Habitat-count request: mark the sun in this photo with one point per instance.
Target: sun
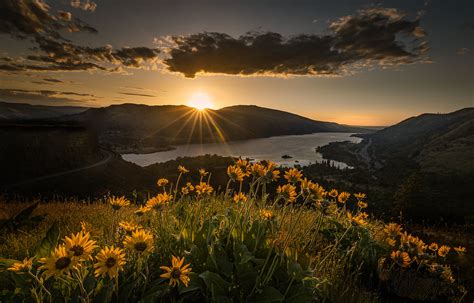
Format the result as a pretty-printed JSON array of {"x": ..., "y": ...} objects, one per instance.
[{"x": 200, "y": 101}]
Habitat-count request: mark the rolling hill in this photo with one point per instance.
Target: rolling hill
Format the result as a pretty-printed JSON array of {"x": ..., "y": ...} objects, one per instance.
[
  {"x": 437, "y": 142},
  {"x": 23, "y": 111},
  {"x": 141, "y": 127},
  {"x": 423, "y": 167}
]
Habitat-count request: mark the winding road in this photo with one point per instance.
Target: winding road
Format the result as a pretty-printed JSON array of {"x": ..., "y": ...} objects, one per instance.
[{"x": 108, "y": 156}]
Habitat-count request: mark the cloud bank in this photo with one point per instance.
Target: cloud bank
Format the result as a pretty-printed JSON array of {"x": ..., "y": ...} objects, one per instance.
[
  {"x": 32, "y": 19},
  {"x": 375, "y": 37}
]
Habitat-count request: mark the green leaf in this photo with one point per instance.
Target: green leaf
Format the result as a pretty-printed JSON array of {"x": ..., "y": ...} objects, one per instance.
[
  {"x": 268, "y": 294},
  {"x": 301, "y": 292},
  {"x": 25, "y": 213},
  {"x": 215, "y": 283},
  {"x": 49, "y": 241}
]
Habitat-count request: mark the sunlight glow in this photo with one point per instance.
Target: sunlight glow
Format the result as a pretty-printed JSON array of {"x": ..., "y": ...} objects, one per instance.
[{"x": 200, "y": 101}]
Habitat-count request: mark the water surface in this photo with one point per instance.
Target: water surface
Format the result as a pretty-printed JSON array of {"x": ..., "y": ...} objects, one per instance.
[{"x": 302, "y": 149}]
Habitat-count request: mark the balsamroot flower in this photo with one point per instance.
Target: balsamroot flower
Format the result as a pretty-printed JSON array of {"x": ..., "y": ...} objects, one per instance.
[
  {"x": 359, "y": 219},
  {"x": 185, "y": 190},
  {"x": 22, "y": 266},
  {"x": 177, "y": 273},
  {"x": 203, "y": 189},
  {"x": 159, "y": 201},
  {"x": 311, "y": 190},
  {"x": 244, "y": 166},
  {"x": 235, "y": 173},
  {"x": 59, "y": 263},
  {"x": 80, "y": 246},
  {"x": 360, "y": 196},
  {"x": 257, "y": 170},
  {"x": 203, "y": 172},
  {"x": 142, "y": 210},
  {"x": 460, "y": 250},
  {"x": 287, "y": 192},
  {"x": 433, "y": 247},
  {"x": 401, "y": 258},
  {"x": 392, "y": 229},
  {"x": 362, "y": 204},
  {"x": 240, "y": 198},
  {"x": 266, "y": 214},
  {"x": 293, "y": 175},
  {"x": 139, "y": 241},
  {"x": 343, "y": 197},
  {"x": 182, "y": 169},
  {"x": 118, "y": 202},
  {"x": 129, "y": 227},
  {"x": 110, "y": 260},
  {"x": 443, "y": 251},
  {"x": 162, "y": 182},
  {"x": 333, "y": 193}
]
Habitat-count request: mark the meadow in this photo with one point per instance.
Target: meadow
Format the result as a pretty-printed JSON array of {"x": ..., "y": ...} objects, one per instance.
[{"x": 193, "y": 243}]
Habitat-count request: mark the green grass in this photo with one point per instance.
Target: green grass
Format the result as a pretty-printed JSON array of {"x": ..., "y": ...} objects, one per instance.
[{"x": 303, "y": 253}]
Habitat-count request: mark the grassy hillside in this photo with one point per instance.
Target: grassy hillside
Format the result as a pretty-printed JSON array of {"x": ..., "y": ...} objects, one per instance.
[
  {"x": 425, "y": 164},
  {"x": 190, "y": 243}
]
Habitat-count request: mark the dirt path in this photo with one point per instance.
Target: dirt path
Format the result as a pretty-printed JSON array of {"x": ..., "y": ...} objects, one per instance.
[{"x": 108, "y": 156}]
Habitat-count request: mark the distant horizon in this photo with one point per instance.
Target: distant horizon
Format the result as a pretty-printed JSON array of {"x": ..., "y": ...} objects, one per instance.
[
  {"x": 187, "y": 105},
  {"x": 356, "y": 62}
]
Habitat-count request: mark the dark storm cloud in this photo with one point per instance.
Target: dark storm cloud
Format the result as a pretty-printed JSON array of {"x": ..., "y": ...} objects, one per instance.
[
  {"x": 141, "y": 95},
  {"x": 42, "y": 96},
  {"x": 26, "y": 19},
  {"x": 371, "y": 37}
]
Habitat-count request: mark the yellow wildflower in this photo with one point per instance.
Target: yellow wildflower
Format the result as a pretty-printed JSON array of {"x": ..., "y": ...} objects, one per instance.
[
  {"x": 177, "y": 273},
  {"x": 391, "y": 241},
  {"x": 203, "y": 172},
  {"x": 142, "y": 210},
  {"x": 362, "y": 204},
  {"x": 333, "y": 193},
  {"x": 293, "y": 175},
  {"x": 401, "y": 258},
  {"x": 257, "y": 170},
  {"x": 110, "y": 260},
  {"x": 240, "y": 198},
  {"x": 266, "y": 214},
  {"x": 433, "y": 247},
  {"x": 80, "y": 245},
  {"x": 244, "y": 166},
  {"x": 129, "y": 226},
  {"x": 162, "y": 182},
  {"x": 360, "y": 196},
  {"x": 185, "y": 190},
  {"x": 139, "y": 241},
  {"x": 443, "y": 251},
  {"x": 203, "y": 189},
  {"x": 59, "y": 263},
  {"x": 392, "y": 229},
  {"x": 22, "y": 266},
  {"x": 235, "y": 173},
  {"x": 287, "y": 192},
  {"x": 460, "y": 250},
  {"x": 343, "y": 197},
  {"x": 359, "y": 219},
  {"x": 118, "y": 202},
  {"x": 182, "y": 169}
]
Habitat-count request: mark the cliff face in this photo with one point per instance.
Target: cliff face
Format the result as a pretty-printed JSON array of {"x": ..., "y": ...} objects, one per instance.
[{"x": 28, "y": 151}]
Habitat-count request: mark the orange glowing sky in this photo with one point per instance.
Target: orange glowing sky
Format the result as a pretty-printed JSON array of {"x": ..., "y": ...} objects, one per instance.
[{"x": 339, "y": 87}]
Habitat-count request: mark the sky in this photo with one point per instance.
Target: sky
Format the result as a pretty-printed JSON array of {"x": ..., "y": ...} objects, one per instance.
[{"x": 353, "y": 62}]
